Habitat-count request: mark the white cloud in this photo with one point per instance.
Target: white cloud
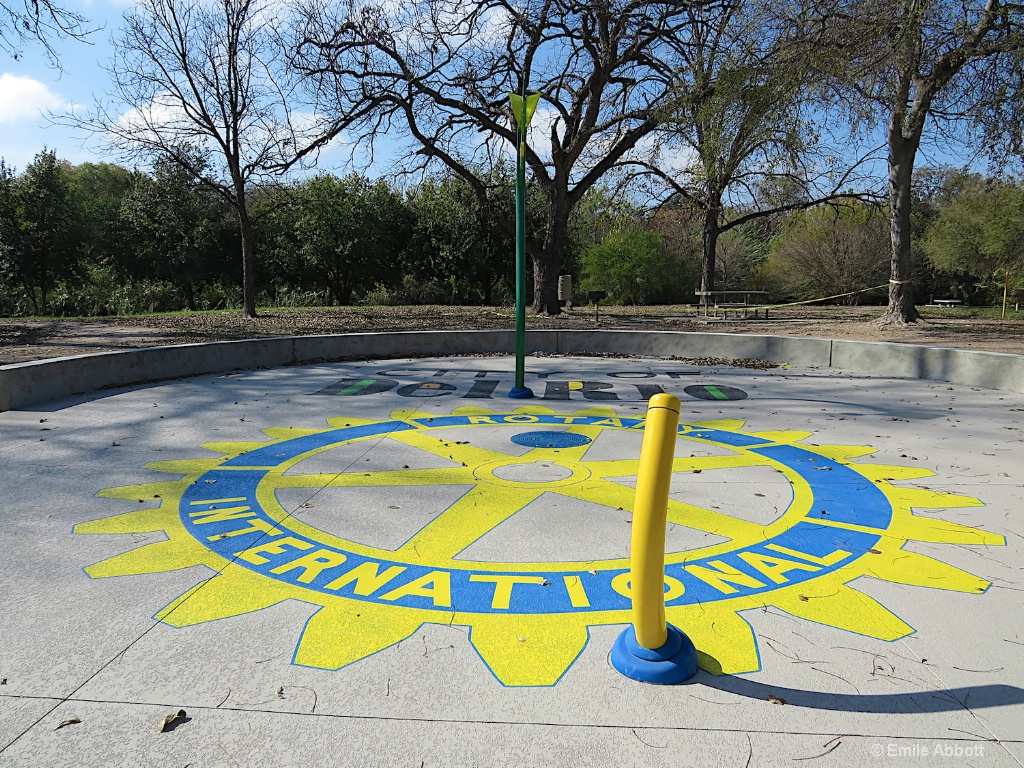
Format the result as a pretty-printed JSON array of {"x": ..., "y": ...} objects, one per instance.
[
  {"x": 25, "y": 98},
  {"x": 164, "y": 113},
  {"x": 675, "y": 157},
  {"x": 539, "y": 131}
]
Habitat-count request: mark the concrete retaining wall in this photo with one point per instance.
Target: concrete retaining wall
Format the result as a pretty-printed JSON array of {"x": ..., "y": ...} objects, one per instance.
[{"x": 26, "y": 383}]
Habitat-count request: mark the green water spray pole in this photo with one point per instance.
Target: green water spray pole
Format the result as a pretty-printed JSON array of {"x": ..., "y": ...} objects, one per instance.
[{"x": 523, "y": 107}]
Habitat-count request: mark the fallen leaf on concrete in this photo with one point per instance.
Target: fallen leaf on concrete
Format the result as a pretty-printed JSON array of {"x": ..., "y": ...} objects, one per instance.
[
  {"x": 172, "y": 721},
  {"x": 71, "y": 721},
  {"x": 280, "y": 692},
  {"x": 775, "y": 700},
  {"x": 803, "y": 598}
]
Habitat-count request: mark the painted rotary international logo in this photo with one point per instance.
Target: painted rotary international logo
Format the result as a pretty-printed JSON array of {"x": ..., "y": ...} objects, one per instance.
[{"x": 529, "y": 620}]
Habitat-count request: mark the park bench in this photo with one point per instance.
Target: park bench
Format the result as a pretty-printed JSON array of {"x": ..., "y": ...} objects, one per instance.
[{"x": 743, "y": 306}]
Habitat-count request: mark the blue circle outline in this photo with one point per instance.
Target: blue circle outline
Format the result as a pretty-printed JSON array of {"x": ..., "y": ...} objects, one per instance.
[
  {"x": 832, "y": 487},
  {"x": 550, "y": 439}
]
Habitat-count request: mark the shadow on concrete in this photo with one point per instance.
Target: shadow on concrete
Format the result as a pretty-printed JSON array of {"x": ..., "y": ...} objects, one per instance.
[{"x": 924, "y": 702}]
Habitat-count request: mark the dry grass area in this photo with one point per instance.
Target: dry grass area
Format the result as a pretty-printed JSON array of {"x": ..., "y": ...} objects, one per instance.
[{"x": 22, "y": 341}]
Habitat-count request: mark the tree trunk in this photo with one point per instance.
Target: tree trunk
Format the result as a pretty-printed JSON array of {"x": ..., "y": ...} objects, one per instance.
[
  {"x": 335, "y": 289},
  {"x": 44, "y": 302},
  {"x": 707, "y": 262},
  {"x": 488, "y": 286},
  {"x": 31, "y": 291},
  {"x": 548, "y": 263},
  {"x": 248, "y": 251},
  {"x": 901, "y": 309},
  {"x": 190, "y": 295}
]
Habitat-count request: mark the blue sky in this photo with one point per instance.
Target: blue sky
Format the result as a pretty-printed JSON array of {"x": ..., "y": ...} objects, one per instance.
[{"x": 31, "y": 86}]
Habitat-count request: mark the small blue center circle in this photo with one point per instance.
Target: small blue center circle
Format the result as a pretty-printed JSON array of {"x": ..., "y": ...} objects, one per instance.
[{"x": 550, "y": 439}]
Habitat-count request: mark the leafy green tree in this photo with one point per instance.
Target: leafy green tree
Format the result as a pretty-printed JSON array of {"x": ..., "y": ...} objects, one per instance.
[
  {"x": 46, "y": 245},
  {"x": 600, "y": 212},
  {"x": 457, "y": 240},
  {"x": 173, "y": 222},
  {"x": 8, "y": 235},
  {"x": 192, "y": 75},
  {"x": 351, "y": 233},
  {"x": 606, "y": 73},
  {"x": 742, "y": 124},
  {"x": 632, "y": 265},
  {"x": 283, "y": 271},
  {"x": 681, "y": 230},
  {"x": 99, "y": 189},
  {"x": 980, "y": 231},
  {"x": 920, "y": 69}
]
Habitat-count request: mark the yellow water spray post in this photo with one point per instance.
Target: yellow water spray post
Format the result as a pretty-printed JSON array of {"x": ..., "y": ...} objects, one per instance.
[{"x": 651, "y": 650}]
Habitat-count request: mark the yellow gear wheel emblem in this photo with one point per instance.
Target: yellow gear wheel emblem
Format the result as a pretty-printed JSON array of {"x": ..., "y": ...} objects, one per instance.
[{"x": 529, "y": 620}]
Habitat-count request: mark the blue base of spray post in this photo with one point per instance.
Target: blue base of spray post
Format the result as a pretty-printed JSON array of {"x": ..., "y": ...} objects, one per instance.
[
  {"x": 521, "y": 393},
  {"x": 674, "y": 662}
]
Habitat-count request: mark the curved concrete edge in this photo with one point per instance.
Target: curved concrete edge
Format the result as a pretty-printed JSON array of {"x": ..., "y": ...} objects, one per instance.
[
  {"x": 39, "y": 381},
  {"x": 990, "y": 370}
]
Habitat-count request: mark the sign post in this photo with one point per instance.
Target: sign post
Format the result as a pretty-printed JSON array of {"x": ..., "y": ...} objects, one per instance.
[{"x": 523, "y": 107}]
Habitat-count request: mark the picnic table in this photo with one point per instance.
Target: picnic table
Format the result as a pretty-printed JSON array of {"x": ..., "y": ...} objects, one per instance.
[
  {"x": 738, "y": 301},
  {"x": 946, "y": 302}
]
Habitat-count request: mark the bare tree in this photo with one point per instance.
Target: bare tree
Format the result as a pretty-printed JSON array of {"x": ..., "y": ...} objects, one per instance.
[
  {"x": 831, "y": 252},
  {"x": 195, "y": 82},
  {"x": 746, "y": 124},
  {"x": 922, "y": 68},
  {"x": 25, "y": 22},
  {"x": 439, "y": 72}
]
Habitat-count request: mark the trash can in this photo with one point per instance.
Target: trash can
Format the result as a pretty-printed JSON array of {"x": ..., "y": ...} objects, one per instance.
[{"x": 565, "y": 290}]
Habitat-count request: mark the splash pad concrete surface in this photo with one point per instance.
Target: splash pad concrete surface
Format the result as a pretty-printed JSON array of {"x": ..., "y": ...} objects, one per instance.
[{"x": 388, "y": 562}]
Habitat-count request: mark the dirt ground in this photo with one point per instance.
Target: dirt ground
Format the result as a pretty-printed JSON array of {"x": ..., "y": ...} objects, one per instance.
[{"x": 22, "y": 341}]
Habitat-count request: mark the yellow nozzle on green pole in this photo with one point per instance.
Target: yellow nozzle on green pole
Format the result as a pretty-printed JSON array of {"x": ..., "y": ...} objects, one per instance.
[
  {"x": 652, "y": 650},
  {"x": 523, "y": 107}
]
